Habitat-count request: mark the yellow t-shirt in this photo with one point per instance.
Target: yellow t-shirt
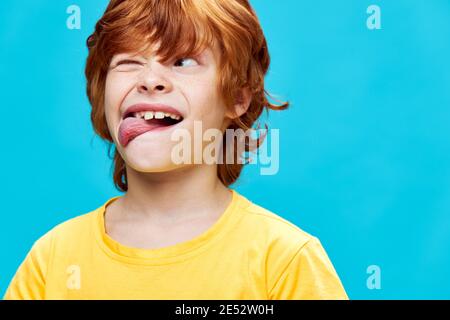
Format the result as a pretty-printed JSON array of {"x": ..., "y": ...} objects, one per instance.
[{"x": 249, "y": 253}]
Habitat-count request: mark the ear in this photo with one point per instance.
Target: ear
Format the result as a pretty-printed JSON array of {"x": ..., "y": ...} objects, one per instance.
[{"x": 243, "y": 100}]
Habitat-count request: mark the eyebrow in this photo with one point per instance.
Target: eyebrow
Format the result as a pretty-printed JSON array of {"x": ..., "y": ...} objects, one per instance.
[
  {"x": 125, "y": 55},
  {"x": 203, "y": 56}
]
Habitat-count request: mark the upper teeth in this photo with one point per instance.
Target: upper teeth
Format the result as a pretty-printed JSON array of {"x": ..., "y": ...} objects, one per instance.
[{"x": 148, "y": 115}]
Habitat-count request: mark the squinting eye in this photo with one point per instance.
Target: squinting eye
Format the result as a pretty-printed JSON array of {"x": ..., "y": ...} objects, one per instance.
[
  {"x": 127, "y": 62},
  {"x": 186, "y": 62}
]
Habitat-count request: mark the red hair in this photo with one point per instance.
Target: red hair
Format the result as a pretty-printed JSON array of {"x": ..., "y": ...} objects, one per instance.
[{"x": 183, "y": 28}]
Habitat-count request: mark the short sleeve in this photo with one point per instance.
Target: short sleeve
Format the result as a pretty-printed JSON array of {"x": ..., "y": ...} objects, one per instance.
[
  {"x": 28, "y": 282},
  {"x": 309, "y": 275}
]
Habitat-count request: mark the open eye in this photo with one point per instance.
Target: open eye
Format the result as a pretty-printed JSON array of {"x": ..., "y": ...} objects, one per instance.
[{"x": 185, "y": 62}]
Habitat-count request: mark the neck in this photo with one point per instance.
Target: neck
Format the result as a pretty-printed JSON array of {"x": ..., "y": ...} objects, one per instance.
[{"x": 184, "y": 193}]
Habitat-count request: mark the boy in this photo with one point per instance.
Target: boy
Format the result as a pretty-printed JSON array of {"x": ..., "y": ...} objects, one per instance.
[{"x": 154, "y": 69}]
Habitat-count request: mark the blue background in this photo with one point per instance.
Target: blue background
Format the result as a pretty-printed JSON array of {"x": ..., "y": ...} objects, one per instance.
[{"x": 365, "y": 147}]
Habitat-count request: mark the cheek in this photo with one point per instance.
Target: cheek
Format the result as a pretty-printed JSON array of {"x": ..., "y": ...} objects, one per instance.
[
  {"x": 116, "y": 89},
  {"x": 113, "y": 89},
  {"x": 206, "y": 104},
  {"x": 213, "y": 113}
]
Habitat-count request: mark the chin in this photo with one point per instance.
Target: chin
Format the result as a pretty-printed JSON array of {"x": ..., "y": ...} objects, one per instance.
[
  {"x": 147, "y": 154},
  {"x": 150, "y": 164},
  {"x": 153, "y": 168}
]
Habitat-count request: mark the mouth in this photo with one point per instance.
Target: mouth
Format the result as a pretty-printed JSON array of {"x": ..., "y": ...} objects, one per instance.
[
  {"x": 135, "y": 123},
  {"x": 156, "y": 117}
]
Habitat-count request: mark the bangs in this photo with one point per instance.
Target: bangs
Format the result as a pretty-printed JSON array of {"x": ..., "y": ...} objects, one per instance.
[{"x": 176, "y": 27}]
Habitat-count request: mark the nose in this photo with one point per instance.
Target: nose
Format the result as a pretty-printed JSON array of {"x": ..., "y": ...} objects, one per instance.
[{"x": 153, "y": 81}]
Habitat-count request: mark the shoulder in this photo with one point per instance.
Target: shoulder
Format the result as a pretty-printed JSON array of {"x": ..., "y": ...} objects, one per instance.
[
  {"x": 296, "y": 264},
  {"x": 67, "y": 234},
  {"x": 75, "y": 226},
  {"x": 274, "y": 228},
  {"x": 30, "y": 278}
]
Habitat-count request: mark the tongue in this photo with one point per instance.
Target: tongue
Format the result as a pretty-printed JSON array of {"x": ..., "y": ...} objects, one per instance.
[{"x": 133, "y": 127}]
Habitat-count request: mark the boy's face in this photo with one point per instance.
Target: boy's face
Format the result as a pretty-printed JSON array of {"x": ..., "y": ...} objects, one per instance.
[{"x": 188, "y": 85}]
